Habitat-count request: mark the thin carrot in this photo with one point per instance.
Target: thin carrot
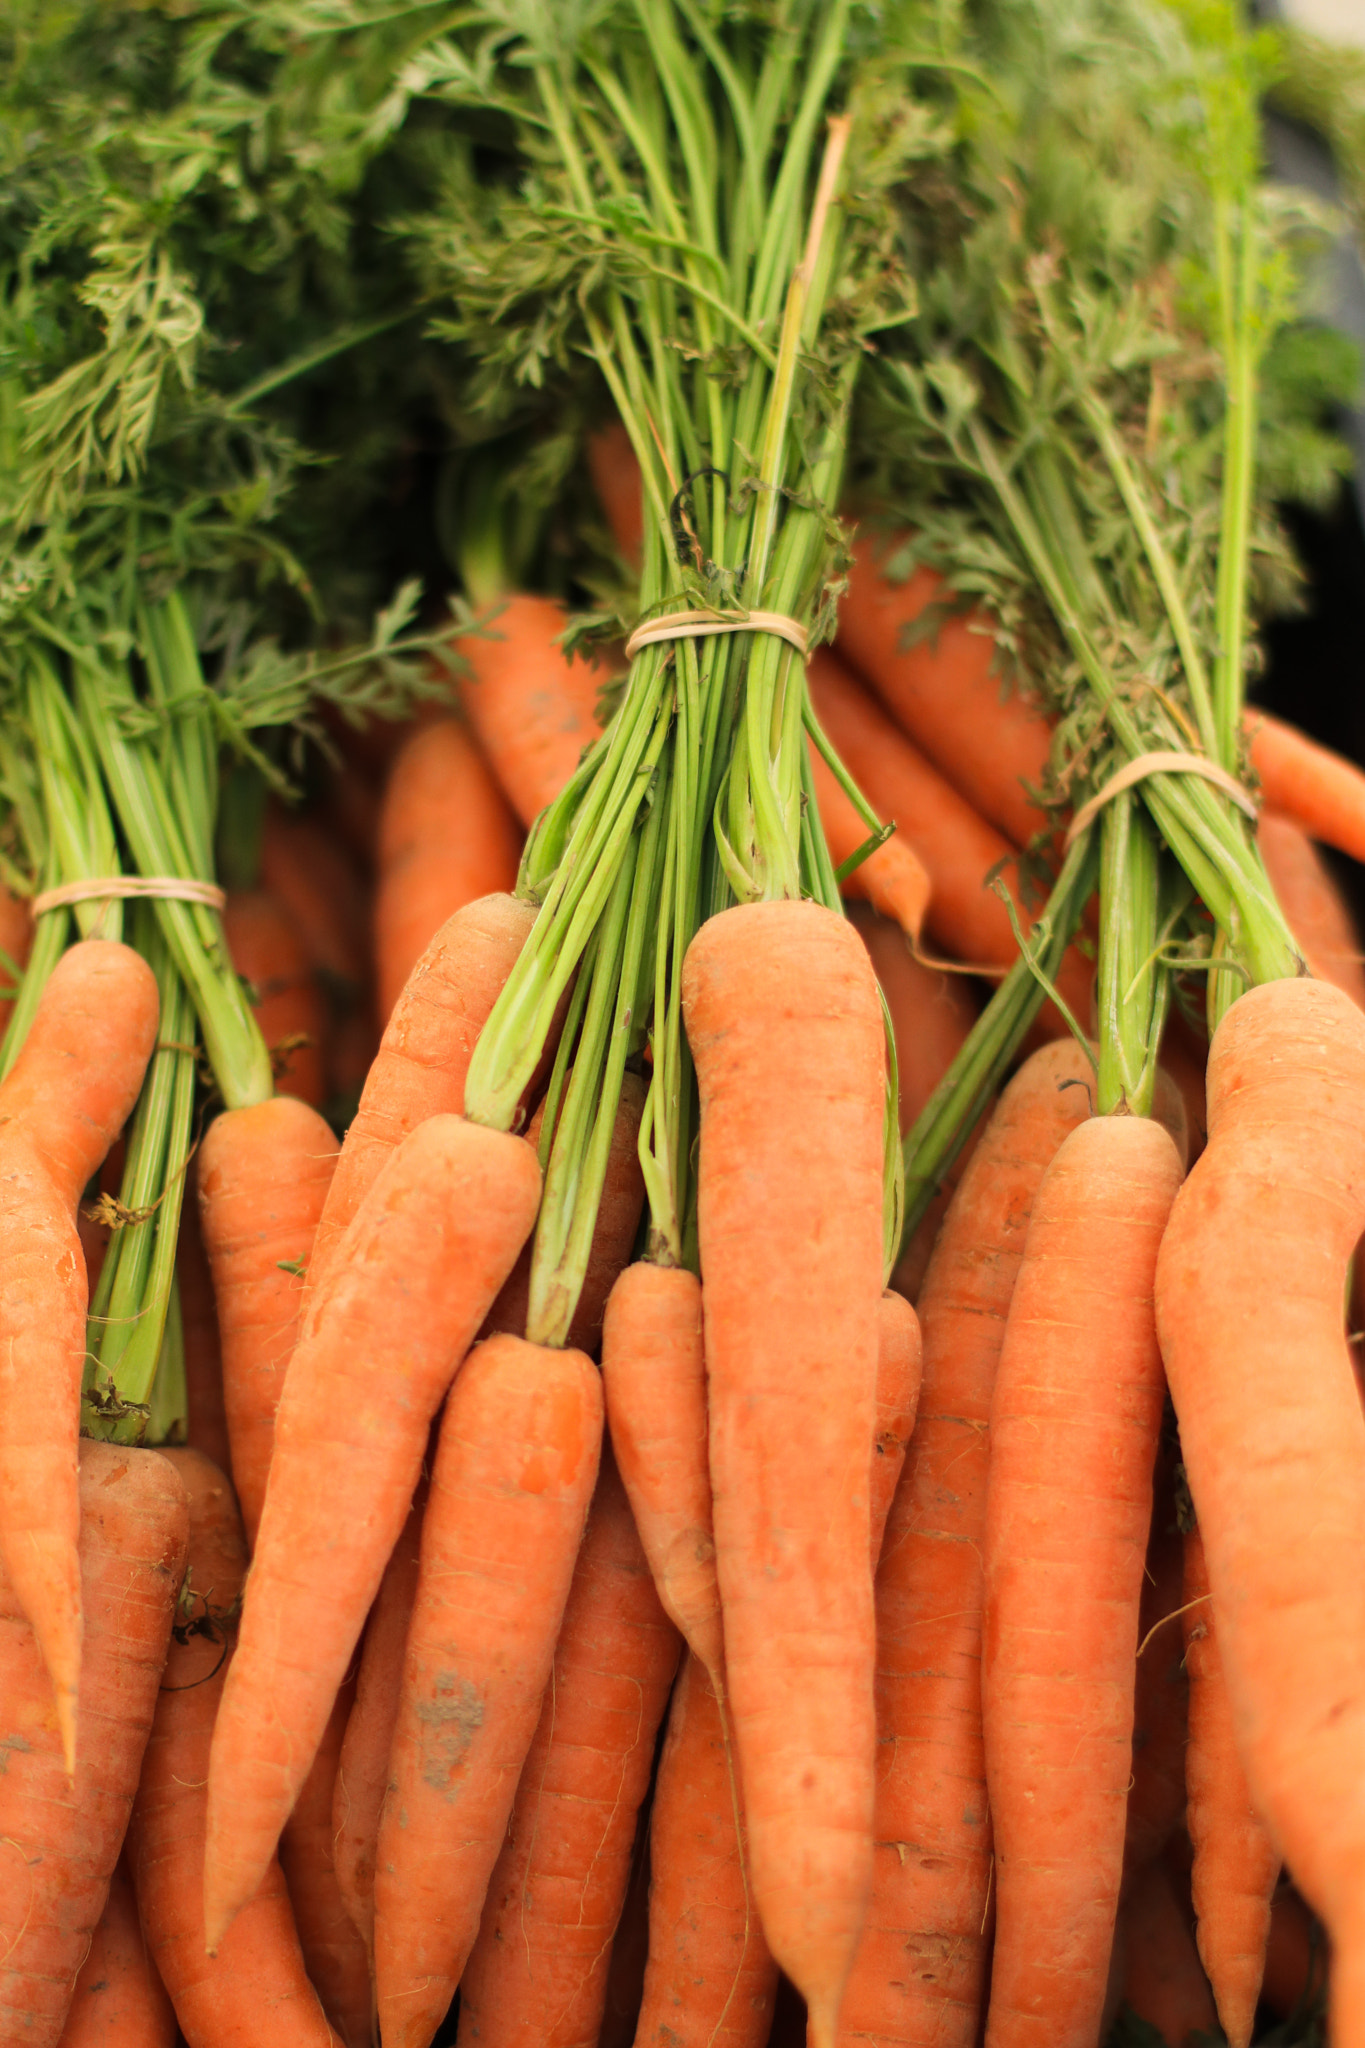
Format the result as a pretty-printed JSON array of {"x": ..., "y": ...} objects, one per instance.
[
  {"x": 119, "y": 2000},
  {"x": 785, "y": 1027},
  {"x": 897, "y": 1396},
  {"x": 264, "y": 1173},
  {"x": 533, "y": 709},
  {"x": 446, "y": 837},
  {"x": 537, "y": 1975},
  {"x": 1320, "y": 791},
  {"x": 920, "y": 1970},
  {"x": 1278, "y": 1481},
  {"x": 510, "y": 1488},
  {"x": 61, "y": 1106},
  {"x": 269, "y": 954},
  {"x": 60, "y": 1836},
  {"x": 893, "y": 878},
  {"x": 435, "y": 1238},
  {"x": 333, "y": 1948},
  {"x": 1163, "y": 1982},
  {"x": 256, "y": 1989},
  {"x": 1316, "y": 911},
  {"x": 206, "y": 1427},
  {"x": 1236, "y": 1865}
]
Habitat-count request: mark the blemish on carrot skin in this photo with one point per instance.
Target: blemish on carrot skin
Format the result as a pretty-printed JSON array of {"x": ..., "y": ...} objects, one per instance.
[{"x": 450, "y": 1720}]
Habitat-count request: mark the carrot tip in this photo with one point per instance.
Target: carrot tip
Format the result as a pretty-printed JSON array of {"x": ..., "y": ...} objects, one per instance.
[{"x": 66, "y": 1727}]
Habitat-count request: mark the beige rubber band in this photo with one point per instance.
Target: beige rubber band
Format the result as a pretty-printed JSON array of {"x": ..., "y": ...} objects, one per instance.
[
  {"x": 706, "y": 625},
  {"x": 161, "y": 888},
  {"x": 1169, "y": 763}
]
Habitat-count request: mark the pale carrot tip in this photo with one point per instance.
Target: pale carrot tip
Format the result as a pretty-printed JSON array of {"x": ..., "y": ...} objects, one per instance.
[{"x": 67, "y": 1710}]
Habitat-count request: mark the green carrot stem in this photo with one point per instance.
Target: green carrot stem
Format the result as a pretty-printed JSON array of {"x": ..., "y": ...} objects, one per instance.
[
  {"x": 169, "y": 1407},
  {"x": 1130, "y": 977}
]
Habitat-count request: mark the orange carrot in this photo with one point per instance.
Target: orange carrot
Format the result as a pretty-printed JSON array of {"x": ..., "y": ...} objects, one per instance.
[
  {"x": 920, "y": 1970},
  {"x": 785, "y": 1027},
  {"x": 897, "y": 1396},
  {"x": 942, "y": 688},
  {"x": 333, "y": 1949},
  {"x": 533, "y": 709},
  {"x": 1162, "y": 1980},
  {"x": 931, "y": 1012},
  {"x": 264, "y": 1173},
  {"x": 1156, "y": 1798},
  {"x": 537, "y": 1976},
  {"x": 1278, "y": 1481},
  {"x": 269, "y": 954},
  {"x": 256, "y": 1990},
  {"x": 446, "y": 837},
  {"x": 61, "y": 1106},
  {"x": 206, "y": 1420},
  {"x": 318, "y": 883},
  {"x": 1313, "y": 905},
  {"x": 415, "y": 1276},
  {"x": 1321, "y": 791},
  {"x": 119, "y": 2001},
  {"x": 510, "y": 1488},
  {"x": 615, "y": 477},
  {"x": 60, "y": 1836},
  {"x": 1236, "y": 1865},
  {"x": 893, "y": 878},
  {"x": 16, "y": 938},
  {"x": 363, "y": 1766},
  {"x": 425, "y": 1051}
]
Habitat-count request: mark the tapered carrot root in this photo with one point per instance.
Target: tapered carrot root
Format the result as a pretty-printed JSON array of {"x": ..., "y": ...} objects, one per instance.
[
  {"x": 537, "y": 1977},
  {"x": 438, "y": 1232},
  {"x": 514, "y": 1473},
  {"x": 893, "y": 878},
  {"x": 1236, "y": 1865},
  {"x": 363, "y": 1766},
  {"x": 1278, "y": 1481},
  {"x": 333, "y": 1949},
  {"x": 425, "y": 1052},
  {"x": 59, "y": 1838},
  {"x": 269, "y": 953},
  {"x": 255, "y": 1992},
  {"x": 533, "y": 709},
  {"x": 785, "y": 1027},
  {"x": 119, "y": 2001},
  {"x": 654, "y": 1378},
  {"x": 264, "y": 1173},
  {"x": 1319, "y": 790},
  {"x": 1163, "y": 1981},
  {"x": 920, "y": 1970},
  {"x": 446, "y": 837},
  {"x": 1075, "y": 1418},
  {"x": 61, "y": 1106},
  {"x": 899, "y": 1356}
]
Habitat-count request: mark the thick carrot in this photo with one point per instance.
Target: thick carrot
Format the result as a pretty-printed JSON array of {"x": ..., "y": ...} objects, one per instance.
[
  {"x": 533, "y": 709},
  {"x": 62, "y": 1105},
  {"x": 1313, "y": 905},
  {"x": 613, "y": 1237},
  {"x": 256, "y": 1990},
  {"x": 206, "y": 1419},
  {"x": 269, "y": 954},
  {"x": 537, "y": 1976},
  {"x": 264, "y": 1173},
  {"x": 425, "y": 1052},
  {"x": 334, "y": 1950},
  {"x": 615, "y": 477},
  {"x": 1249, "y": 1307},
  {"x": 920, "y": 1970},
  {"x": 363, "y": 1766},
  {"x": 942, "y": 688},
  {"x": 893, "y": 878},
  {"x": 415, "y": 1276},
  {"x": 446, "y": 837},
  {"x": 1321, "y": 791},
  {"x": 785, "y": 1027},
  {"x": 1236, "y": 1865},
  {"x": 60, "y": 1837},
  {"x": 1075, "y": 1418},
  {"x": 510, "y": 1488},
  {"x": 1156, "y": 1798},
  {"x": 1163, "y": 1982},
  {"x": 119, "y": 2001}
]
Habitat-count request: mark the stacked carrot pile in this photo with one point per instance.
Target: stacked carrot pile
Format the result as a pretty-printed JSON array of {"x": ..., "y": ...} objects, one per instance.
[{"x": 672, "y": 1357}]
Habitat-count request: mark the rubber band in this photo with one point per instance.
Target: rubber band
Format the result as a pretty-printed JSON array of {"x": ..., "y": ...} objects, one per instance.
[
  {"x": 707, "y": 625},
  {"x": 104, "y": 888},
  {"x": 1162, "y": 763}
]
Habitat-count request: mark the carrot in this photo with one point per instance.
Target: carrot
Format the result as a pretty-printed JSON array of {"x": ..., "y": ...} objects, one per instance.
[
  {"x": 1236, "y": 1866},
  {"x": 60, "y": 1836},
  {"x": 446, "y": 837},
  {"x": 318, "y": 883},
  {"x": 119, "y": 2001},
  {"x": 920, "y": 1970},
  {"x": 363, "y": 1766},
  {"x": 415, "y": 1276},
  {"x": 785, "y": 1027},
  {"x": 537, "y": 1975},
  {"x": 1320, "y": 791},
  {"x": 897, "y": 1396},
  {"x": 533, "y": 709},
  {"x": 1278, "y": 1481},
  {"x": 613, "y": 1237},
  {"x": 615, "y": 477},
  {"x": 333, "y": 1949},
  {"x": 1313, "y": 905},
  {"x": 269, "y": 954},
  {"x": 942, "y": 689},
  {"x": 931, "y": 1012},
  {"x": 264, "y": 1173},
  {"x": 510, "y": 1488},
  {"x": 893, "y": 878},
  {"x": 62, "y": 1105},
  {"x": 1163, "y": 1982},
  {"x": 1296, "y": 1956},
  {"x": 1075, "y": 1418},
  {"x": 425, "y": 1051},
  {"x": 206, "y": 1421},
  {"x": 257, "y": 1986},
  {"x": 16, "y": 938},
  {"x": 1156, "y": 1798}
]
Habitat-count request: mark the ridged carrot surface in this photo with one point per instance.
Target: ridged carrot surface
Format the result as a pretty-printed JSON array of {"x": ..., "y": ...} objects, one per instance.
[{"x": 119, "y": 2001}]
